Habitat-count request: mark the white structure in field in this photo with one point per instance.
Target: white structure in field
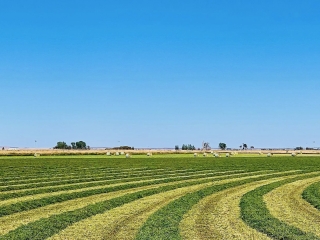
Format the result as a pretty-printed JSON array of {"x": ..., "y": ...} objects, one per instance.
[{"x": 127, "y": 155}]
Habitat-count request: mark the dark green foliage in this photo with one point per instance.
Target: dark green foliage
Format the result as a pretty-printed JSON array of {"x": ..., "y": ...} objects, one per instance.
[
  {"x": 188, "y": 147},
  {"x": 62, "y": 145},
  {"x": 222, "y": 146},
  {"x": 312, "y": 195}
]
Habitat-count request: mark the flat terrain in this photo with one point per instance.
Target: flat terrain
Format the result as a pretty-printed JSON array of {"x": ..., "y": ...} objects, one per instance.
[{"x": 164, "y": 196}]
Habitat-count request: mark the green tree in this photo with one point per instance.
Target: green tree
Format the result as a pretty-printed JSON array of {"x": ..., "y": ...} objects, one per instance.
[
  {"x": 176, "y": 147},
  {"x": 81, "y": 145},
  {"x": 73, "y": 145},
  {"x": 61, "y": 145},
  {"x": 222, "y": 146}
]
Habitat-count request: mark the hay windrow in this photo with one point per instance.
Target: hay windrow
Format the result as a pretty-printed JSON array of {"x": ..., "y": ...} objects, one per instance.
[
  {"x": 122, "y": 222},
  {"x": 286, "y": 204},
  {"x": 15, "y": 220},
  {"x": 218, "y": 216},
  {"x": 101, "y": 187}
]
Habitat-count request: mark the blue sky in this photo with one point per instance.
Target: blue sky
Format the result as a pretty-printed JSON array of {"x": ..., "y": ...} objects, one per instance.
[{"x": 160, "y": 73}]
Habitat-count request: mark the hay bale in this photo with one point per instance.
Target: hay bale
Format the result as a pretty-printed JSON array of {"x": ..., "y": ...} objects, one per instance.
[
  {"x": 108, "y": 154},
  {"x": 204, "y": 154},
  {"x": 227, "y": 155},
  {"x": 269, "y": 155},
  {"x": 195, "y": 155},
  {"x": 117, "y": 154},
  {"x": 127, "y": 155}
]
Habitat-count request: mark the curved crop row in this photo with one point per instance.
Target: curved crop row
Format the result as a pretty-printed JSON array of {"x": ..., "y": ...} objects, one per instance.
[
  {"x": 8, "y": 198},
  {"x": 34, "y": 203},
  {"x": 44, "y": 228},
  {"x": 93, "y": 181},
  {"x": 165, "y": 222},
  {"x": 256, "y": 214},
  {"x": 70, "y": 176},
  {"x": 13, "y": 221},
  {"x": 47, "y": 227},
  {"x": 286, "y": 204},
  {"x": 99, "y": 177},
  {"x": 217, "y": 216},
  {"x": 312, "y": 195}
]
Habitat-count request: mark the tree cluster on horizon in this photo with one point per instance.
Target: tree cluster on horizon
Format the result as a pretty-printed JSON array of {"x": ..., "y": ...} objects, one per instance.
[{"x": 74, "y": 145}]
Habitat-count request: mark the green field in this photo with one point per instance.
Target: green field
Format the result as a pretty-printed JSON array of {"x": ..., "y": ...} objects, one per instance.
[{"x": 175, "y": 196}]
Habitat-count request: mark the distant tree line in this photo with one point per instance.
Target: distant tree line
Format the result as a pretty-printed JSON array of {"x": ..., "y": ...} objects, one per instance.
[
  {"x": 188, "y": 147},
  {"x": 123, "y": 148},
  {"x": 74, "y": 145}
]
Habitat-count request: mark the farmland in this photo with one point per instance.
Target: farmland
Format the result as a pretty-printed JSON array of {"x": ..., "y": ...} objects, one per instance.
[{"x": 167, "y": 196}]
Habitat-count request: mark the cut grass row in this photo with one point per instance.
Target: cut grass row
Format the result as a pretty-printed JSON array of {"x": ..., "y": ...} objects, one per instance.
[
  {"x": 18, "y": 205},
  {"x": 312, "y": 195},
  {"x": 44, "y": 228},
  {"x": 125, "y": 221},
  {"x": 218, "y": 216},
  {"x": 98, "y": 178},
  {"x": 13, "y": 221},
  {"x": 256, "y": 214},
  {"x": 44, "y": 192},
  {"x": 286, "y": 204},
  {"x": 70, "y": 176},
  {"x": 165, "y": 222}
]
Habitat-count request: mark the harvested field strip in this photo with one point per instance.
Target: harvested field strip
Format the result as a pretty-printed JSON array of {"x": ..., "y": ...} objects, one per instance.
[
  {"x": 286, "y": 204},
  {"x": 25, "y": 178},
  {"x": 56, "y": 170},
  {"x": 13, "y": 221},
  {"x": 218, "y": 216},
  {"x": 125, "y": 221},
  {"x": 165, "y": 222},
  {"x": 122, "y": 222},
  {"x": 68, "y": 176},
  {"x": 17, "y": 205},
  {"x": 41, "y": 193},
  {"x": 312, "y": 195},
  {"x": 53, "y": 180},
  {"x": 96, "y": 179},
  {"x": 47, "y": 227},
  {"x": 256, "y": 214}
]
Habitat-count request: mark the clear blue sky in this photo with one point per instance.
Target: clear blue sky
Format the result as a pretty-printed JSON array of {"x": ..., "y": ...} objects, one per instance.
[{"x": 160, "y": 73}]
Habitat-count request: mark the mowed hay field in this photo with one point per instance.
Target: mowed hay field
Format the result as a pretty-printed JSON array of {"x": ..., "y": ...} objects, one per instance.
[{"x": 160, "y": 197}]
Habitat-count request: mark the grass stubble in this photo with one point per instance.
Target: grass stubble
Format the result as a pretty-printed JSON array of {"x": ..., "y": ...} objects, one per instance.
[{"x": 286, "y": 204}]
